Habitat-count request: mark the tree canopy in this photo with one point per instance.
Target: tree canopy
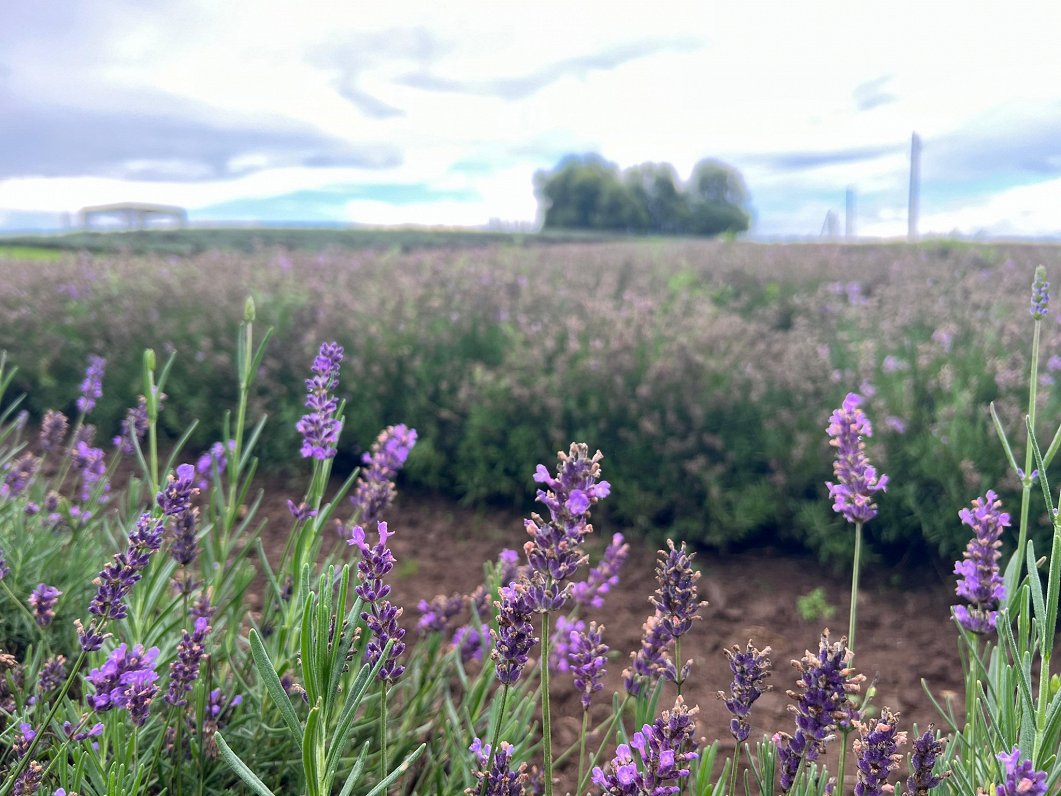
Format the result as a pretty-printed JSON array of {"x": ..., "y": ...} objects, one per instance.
[{"x": 588, "y": 192}]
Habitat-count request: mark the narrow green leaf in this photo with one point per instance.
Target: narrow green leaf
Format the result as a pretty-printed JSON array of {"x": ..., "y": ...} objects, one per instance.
[
  {"x": 1043, "y": 482},
  {"x": 401, "y": 769},
  {"x": 1002, "y": 438},
  {"x": 311, "y": 743},
  {"x": 353, "y": 698},
  {"x": 309, "y": 669},
  {"x": 1053, "y": 592},
  {"x": 241, "y": 769},
  {"x": 355, "y": 772},
  {"x": 276, "y": 691}
]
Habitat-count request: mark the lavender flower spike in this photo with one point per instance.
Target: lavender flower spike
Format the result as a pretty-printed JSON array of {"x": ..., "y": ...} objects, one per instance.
[
  {"x": 876, "y": 751},
  {"x": 375, "y": 484},
  {"x": 119, "y": 576},
  {"x": 1040, "y": 294},
  {"x": 979, "y": 580},
  {"x": 922, "y": 760},
  {"x": 320, "y": 428},
  {"x": 602, "y": 577},
  {"x": 381, "y": 617},
  {"x": 500, "y": 780},
  {"x": 750, "y": 669},
  {"x": 514, "y": 637},
  {"x": 185, "y": 668},
  {"x": 824, "y": 705},
  {"x": 659, "y": 745},
  {"x": 42, "y": 601},
  {"x": 92, "y": 386},
  {"x": 555, "y": 550},
  {"x": 857, "y": 480},
  {"x": 54, "y": 426},
  {"x": 587, "y": 656},
  {"x": 1021, "y": 778}
]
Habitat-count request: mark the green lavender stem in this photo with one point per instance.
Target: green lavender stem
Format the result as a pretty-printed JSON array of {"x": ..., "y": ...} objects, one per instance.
[
  {"x": 547, "y": 739},
  {"x": 496, "y": 736},
  {"x": 856, "y": 565}
]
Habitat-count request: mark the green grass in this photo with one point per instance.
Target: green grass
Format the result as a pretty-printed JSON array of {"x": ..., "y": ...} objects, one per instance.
[{"x": 29, "y": 253}]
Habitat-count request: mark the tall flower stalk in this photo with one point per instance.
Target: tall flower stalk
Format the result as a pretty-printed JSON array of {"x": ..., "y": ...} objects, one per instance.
[
  {"x": 555, "y": 553},
  {"x": 857, "y": 482}
]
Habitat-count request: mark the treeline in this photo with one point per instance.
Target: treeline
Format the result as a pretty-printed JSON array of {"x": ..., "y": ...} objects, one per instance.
[{"x": 588, "y": 192}]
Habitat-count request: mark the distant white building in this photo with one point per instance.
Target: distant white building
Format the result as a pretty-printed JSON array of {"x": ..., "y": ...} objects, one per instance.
[{"x": 132, "y": 215}]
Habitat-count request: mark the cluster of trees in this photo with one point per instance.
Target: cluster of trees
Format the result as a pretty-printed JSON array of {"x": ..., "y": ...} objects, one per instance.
[{"x": 588, "y": 192}]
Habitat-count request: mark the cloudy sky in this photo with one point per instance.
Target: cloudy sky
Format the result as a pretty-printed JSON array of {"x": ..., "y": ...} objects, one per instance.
[{"x": 440, "y": 113}]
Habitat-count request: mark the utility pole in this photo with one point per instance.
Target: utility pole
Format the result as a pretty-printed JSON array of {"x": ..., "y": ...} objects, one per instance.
[
  {"x": 915, "y": 187},
  {"x": 849, "y": 214}
]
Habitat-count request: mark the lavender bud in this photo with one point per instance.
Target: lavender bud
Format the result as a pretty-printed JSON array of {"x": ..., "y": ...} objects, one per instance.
[
  {"x": 750, "y": 669},
  {"x": 42, "y": 602},
  {"x": 1040, "y": 294},
  {"x": 92, "y": 386},
  {"x": 320, "y": 429},
  {"x": 979, "y": 580}
]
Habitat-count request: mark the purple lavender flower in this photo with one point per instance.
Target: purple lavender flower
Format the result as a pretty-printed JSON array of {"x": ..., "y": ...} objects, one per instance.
[
  {"x": 320, "y": 428},
  {"x": 5, "y": 570},
  {"x": 219, "y": 710},
  {"x": 77, "y": 734},
  {"x": 857, "y": 480},
  {"x": 119, "y": 576},
  {"x": 42, "y": 602},
  {"x": 23, "y": 740},
  {"x": 824, "y": 706},
  {"x": 29, "y": 781},
  {"x": 1021, "y": 778},
  {"x": 979, "y": 581},
  {"x": 659, "y": 745},
  {"x": 54, "y": 426},
  {"x": 381, "y": 617},
  {"x": 185, "y": 667},
  {"x": 602, "y": 577},
  {"x": 500, "y": 779},
  {"x": 302, "y": 511},
  {"x": 514, "y": 637},
  {"x": 676, "y": 598},
  {"x": 184, "y": 547},
  {"x": 133, "y": 428},
  {"x": 468, "y": 641},
  {"x": 52, "y": 674},
  {"x": 587, "y": 656},
  {"x": 651, "y": 660},
  {"x": 89, "y": 462},
  {"x": 18, "y": 474},
  {"x": 92, "y": 386},
  {"x": 176, "y": 497},
  {"x": 876, "y": 754},
  {"x": 922, "y": 760},
  {"x": 1040, "y": 294},
  {"x": 555, "y": 550},
  {"x": 560, "y": 642},
  {"x": 435, "y": 615},
  {"x": 126, "y": 680},
  {"x": 215, "y": 457},
  {"x": 508, "y": 566},
  {"x": 375, "y": 488},
  {"x": 750, "y": 669}
]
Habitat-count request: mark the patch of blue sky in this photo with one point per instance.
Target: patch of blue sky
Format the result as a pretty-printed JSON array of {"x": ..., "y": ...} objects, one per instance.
[{"x": 328, "y": 204}]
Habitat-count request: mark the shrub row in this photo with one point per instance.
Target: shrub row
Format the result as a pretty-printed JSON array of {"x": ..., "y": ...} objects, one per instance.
[{"x": 703, "y": 369}]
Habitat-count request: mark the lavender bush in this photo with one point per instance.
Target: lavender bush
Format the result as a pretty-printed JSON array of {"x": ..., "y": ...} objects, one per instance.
[{"x": 148, "y": 674}]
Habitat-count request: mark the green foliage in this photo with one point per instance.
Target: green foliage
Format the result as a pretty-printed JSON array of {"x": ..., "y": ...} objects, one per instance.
[
  {"x": 814, "y": 606},
  {"x": 587, "y": 192}
]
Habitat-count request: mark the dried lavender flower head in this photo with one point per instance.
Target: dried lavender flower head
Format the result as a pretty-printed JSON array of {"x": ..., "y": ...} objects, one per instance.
[
  {"x": 979, "y": 581},
  {"x": 1040, "y": 294},
  {"x": 857, "y": 480}
]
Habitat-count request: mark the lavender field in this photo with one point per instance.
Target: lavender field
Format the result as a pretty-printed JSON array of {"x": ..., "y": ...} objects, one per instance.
[
  {"x": 702, "y": 368},
  {"x": 163, "y": 632}
]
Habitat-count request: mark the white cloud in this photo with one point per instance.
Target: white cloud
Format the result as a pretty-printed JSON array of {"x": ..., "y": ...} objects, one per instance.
[{"x": 429, "y": 86}]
